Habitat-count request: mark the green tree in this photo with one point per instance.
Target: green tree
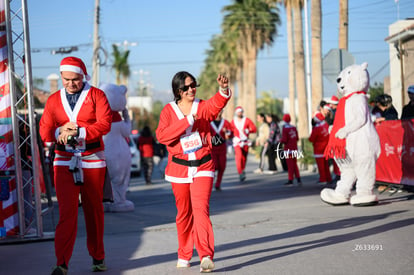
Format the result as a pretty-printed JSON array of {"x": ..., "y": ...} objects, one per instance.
[
  {"x": 221, "y": 58},
  {"x": 120, "y": 65},
  {"x": 255, "y": 23},
  {"x": 374, "y": 91},
  {"x": 268, "y": 104}
]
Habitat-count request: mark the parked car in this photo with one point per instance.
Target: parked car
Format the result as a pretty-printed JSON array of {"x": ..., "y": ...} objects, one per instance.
[{"x": 135, "y": 158}]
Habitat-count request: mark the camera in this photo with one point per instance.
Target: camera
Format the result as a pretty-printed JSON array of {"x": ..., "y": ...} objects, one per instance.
[{"x": 72, "y": 141}]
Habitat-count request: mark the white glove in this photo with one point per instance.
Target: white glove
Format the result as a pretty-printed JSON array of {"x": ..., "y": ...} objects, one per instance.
[{"x": 341, "y": 134}]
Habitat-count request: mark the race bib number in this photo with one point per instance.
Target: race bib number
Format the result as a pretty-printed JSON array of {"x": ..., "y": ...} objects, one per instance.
[
  {"x": 79, "y": 148},
  {"x": 191, "y": 143}
]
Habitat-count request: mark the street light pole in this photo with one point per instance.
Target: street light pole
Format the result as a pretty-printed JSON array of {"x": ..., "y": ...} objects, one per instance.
[{"x": 308, "y": 73}]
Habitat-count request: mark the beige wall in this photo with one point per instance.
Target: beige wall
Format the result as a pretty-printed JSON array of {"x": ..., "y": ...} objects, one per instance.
[{"x": 408, "y": 67}]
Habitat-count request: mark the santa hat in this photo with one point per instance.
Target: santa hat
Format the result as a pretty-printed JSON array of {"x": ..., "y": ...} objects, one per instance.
[
  {"x": 74, "y": 64},
  {"x": 318, "y": 116},
  {"x": 238, "y": 109},
  {"x": 334, "y": 100},
  {"x": 326, "y": 107},
  {"x": 286, "y": 118}
]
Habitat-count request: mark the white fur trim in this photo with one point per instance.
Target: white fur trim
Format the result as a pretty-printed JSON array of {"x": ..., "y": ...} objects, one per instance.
[
  {"x": 223, "y": 94},
  {"x": 190, "y": 179},
  {"x": 75, "y": 69},
  {"x": 204, "y": 174},
  {"x": 190, "y": 119},
  {"x": 178, "y": 180},
  {"x": 82, "y": 133},
  {"x": 95, "y": 164},
  {"x": 71, "y": 68}
]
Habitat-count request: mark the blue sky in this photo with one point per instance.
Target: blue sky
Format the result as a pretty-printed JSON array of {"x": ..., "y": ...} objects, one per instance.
[{"x": 174, "y": 35}]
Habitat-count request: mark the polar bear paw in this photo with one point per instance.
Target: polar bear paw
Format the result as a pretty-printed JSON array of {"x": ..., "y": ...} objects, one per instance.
[
  {"x": 333, "y": 198},
  {"x": 125, "y": 206},
  {"x": 364, "y": 200}
]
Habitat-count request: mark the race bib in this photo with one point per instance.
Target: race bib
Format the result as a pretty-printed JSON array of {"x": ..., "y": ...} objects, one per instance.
[
  {"x": 191, "y": 143},
  {"x": 79, "y": 148}
]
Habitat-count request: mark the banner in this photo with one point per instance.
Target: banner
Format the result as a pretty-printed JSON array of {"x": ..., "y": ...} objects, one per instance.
[
  {"x": 9, "y": 221},
  {"x": 396, "y": 162}
]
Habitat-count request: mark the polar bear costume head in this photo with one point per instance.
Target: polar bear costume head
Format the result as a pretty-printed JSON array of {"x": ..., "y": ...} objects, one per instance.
[
  {"x": 115, "y": 95},
  {"x": 354, "y": 78}
]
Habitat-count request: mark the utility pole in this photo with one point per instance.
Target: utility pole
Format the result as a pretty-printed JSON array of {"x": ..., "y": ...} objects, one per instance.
[
  {"x": 343, "y": 24},
  {"x": 96, "y": 47}
]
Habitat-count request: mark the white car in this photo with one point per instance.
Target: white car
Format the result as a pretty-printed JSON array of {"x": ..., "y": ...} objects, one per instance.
[{"x": 135, "y": 158}]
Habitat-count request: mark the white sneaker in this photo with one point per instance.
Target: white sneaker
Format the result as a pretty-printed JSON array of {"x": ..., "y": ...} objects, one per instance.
[
  {"x": 258, "y": 171},
  {"x": 270, "y": 172},
  {"x": 206, "y": 265},
  {"x": 183, "y": 263}
]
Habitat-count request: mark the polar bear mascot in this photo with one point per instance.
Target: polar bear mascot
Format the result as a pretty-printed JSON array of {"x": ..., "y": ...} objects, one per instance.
[
  {"x": 117, "y": 152},
  {"x": 353, "y": 141}
]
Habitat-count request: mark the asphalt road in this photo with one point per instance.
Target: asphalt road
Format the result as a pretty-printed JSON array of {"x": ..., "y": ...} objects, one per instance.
[{"x": 261, "y": 227}]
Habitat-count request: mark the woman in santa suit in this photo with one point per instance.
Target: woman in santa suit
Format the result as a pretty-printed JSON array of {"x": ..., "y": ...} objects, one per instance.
[
  {"x": 184, "y": 128},
  {"x": 242, "y": 127}
]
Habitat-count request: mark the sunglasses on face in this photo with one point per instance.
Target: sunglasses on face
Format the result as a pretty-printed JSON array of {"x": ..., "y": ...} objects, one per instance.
[{"x": 193, "y": 85}]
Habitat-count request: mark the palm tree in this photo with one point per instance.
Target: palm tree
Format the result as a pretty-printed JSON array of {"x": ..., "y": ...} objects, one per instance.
[
  {"x": 120, "y": 65},
  {"x": 221, "y": 58},
  {"x": 291, "y": 60},
  {"x": 316, "y": 27},
  {"x": 300, "y": 80},
  {"x": 343, "y": 24},
  {"x": 255, "y": 23}
]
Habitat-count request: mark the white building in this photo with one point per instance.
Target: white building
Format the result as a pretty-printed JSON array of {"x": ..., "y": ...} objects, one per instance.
[
  {"x": 401, "y": 45},
  {"x": 142, "y": 102}
]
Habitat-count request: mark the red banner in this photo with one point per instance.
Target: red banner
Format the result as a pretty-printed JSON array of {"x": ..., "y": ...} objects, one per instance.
[{"x": 396, "y": 162}]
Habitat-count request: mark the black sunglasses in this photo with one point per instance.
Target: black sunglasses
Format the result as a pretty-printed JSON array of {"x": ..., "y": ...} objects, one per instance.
[{"x": 192, "y": 85}]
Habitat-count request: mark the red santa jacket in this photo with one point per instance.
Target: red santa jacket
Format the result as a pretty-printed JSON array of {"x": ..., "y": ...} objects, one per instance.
[
  {"x": 146, "y": 146},
  {"x": 319, "y": 137},
  {"x": 92, "y": 113},
  {"x": 241, "y": 130},
  {"x": 174, "y": 128},
  {"x": 218, "y": 134},
  {"x": 289, "y": 137}
]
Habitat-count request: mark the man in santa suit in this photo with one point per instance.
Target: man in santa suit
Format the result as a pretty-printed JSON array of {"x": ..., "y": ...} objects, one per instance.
[
  {"x": 242, "y": 127},
  {"x": 320, "y": 137},
  {"x": 76, "y": 118},
  {"x": 221, "y": 130}
]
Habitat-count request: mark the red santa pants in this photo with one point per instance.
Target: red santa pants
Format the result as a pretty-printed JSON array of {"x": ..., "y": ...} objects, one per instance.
[
  {"x": 323, "y": 169},
  {"x": 219, "y": 158},
  {"x": 193, "y": 218},
  {"x": 293, "y": 170},
  {"x": 68, "y": 199},
  {"x": 240, "y": 155}
]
